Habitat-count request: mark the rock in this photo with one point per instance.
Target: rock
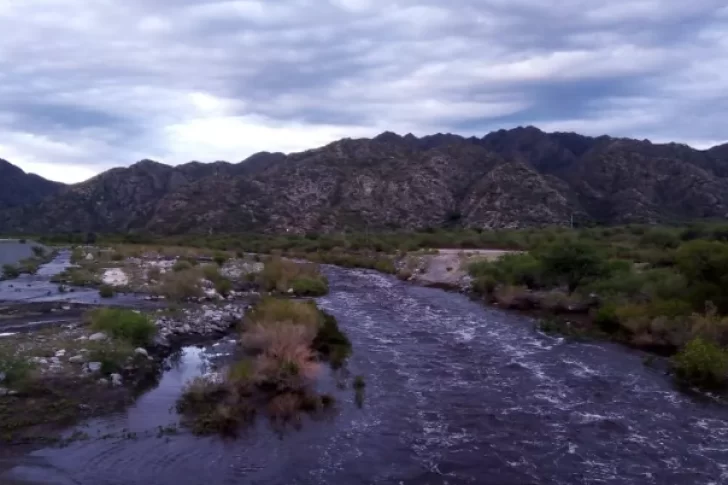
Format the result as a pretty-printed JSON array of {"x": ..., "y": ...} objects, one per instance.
[
  {"x": 93, "y": 366},
  {"x": 103, "y": 382},
  {"x": 66, "y": 307},
  {"x": 55, "y": 361},
  {"x": 97, "y": 337},
  {"x": 40, "y": 360},
  {"x": 89, "y": 257},
  {"x": 186, "y": 328},
  {"x": 290, "y": 291},
  {"x": 76, "y": 359},
  {"x": 61, "y": 353},
  {"x": 116, "y": 380},
  {"x": 2, "y": 376},
  {"x": 4, "y": 391},
  {"x": 141, "y": 351}
]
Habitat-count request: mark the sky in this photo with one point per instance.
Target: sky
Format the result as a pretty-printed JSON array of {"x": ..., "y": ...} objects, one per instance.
[{"x": 89, "y": 85}]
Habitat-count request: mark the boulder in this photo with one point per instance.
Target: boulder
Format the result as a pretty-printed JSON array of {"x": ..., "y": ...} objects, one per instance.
[
  {"x": 76, "y": 359},
  {"x": 116, "y": 380},
  {"x": 141, "y": 351},
  {"x": 93, "y": 366},
  {"x": 61, "y": 353},
  {"x": 98, "y": 337}
]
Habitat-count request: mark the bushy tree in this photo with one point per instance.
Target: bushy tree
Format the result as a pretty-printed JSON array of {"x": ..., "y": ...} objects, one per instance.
[
  {"x": 571, "y": 263},
  {"x": 705, "y": 267}
]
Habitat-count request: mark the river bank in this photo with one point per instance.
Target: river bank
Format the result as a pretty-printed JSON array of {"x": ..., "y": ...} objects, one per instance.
[{"x": 455, "y": 391}]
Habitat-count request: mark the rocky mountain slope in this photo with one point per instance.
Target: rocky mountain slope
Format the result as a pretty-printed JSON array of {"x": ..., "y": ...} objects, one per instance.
[
  {"x": 19, "y": 188},
  {"x": 509, "y": 178}
]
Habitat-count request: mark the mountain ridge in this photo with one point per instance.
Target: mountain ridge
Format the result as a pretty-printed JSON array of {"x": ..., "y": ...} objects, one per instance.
[{"x": 508, "y": 178}]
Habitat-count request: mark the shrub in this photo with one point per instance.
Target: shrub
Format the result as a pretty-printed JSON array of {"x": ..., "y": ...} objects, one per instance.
[
  {"x": 359, "y": 383},
  {"x": 112, "y": 357},
  {"x": 511, "y": 269},
  {"x": 705, "y": 266},
  {"x": 154, "y": 274},
  {"x": 571, "y": 263},
  {"x": 279, "y": 275},
  {"x": 10, "y": 271},
  {"x": 181, "y": 265},
  {"x": 220, "y": 258},
  {"x": 284, "y": 310},
  {"x": 484, "y": 285},
  {"x": 606, "y": 318},
  {"x": 306, "y": 286},
  {"x": 702, "y": 363},
  {"x": 181, "y": 285},
  {"x": 17, "y": 370},
  {"x": 331, "y": 342},
  {"x": 127, "y": 325},
  {"x": 106, "y": 291},
  {"x": 38, "y": 251}
]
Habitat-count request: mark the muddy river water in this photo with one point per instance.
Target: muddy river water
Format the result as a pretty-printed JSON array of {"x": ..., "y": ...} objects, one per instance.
[{"x": 456, "y": 393}]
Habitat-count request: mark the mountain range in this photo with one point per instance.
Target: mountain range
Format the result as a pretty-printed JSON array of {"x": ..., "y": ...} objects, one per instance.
[{"x": 506, "y": 179}]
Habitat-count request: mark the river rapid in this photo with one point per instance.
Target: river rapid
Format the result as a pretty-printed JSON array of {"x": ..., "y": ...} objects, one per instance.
[{"x": 457, "y": 393}]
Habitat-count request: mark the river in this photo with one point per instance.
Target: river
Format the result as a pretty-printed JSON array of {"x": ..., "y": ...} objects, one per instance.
[{"x": 457, "y": 393}]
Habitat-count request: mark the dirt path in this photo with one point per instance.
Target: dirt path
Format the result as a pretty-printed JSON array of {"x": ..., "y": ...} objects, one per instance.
[{"x": 449, "y": 268}]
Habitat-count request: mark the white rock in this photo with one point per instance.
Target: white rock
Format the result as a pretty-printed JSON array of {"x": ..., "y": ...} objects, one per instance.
[
  {"x": 115, "y": 277},
  {"x": 76, "y": 359},
  {"x": 93, "y": 366},
  {"x": 2, "y": 376},
  {"x": 97, "y": 337},
  {"x": 186, "y": 328},
  {"x": 40, "y": 360},
  {"x": 81, "y": 338},
  {"x": 290, "y": 290},
  {"x": 116, "y": 380},
  {"x": 61, "y": 353},
  {"x": 141, "y": 351},
  {"x": 66, "y": 307},
  {"x": 89, "y": 257},
  {"x": 55, "y": 361},
  {"x": 103, "y": 382}
]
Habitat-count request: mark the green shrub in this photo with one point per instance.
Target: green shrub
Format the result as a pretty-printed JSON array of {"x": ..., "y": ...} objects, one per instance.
[
  {"x": 127, "y": 325},
  {"x": 17, "y": 370},
  {"x": 705, "y": 267},
  {"x": 571, "y": 263},
  {"x": 702, "y": 363},
  {"x": 106, "y": 291},
  {"x": 511, "y": 269},
  {"x": 181, "y": 265},
  {"x": 112, "y": 357},
  {"x": 280, "y": 274},
  {"x": 484, "y": 285},
  {"x": 10, "y": 271},
  {"x": 359, "y": 383},
  {"x": 606, "y": 318},
  {"x": 220, "y": 258},
  {"x": 331, "y": 342},
  {"x": 305, "y": 286}
]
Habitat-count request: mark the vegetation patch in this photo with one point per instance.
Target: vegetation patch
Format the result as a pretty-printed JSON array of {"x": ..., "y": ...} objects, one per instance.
[
  {"x": 127, "y": 325},
  {"x": 286, "y": 276},
  {"x": 285, "y": 343}
]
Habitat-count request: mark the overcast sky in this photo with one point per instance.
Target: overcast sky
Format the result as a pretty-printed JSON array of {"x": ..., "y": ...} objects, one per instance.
[{"x": 90, "y": 84}]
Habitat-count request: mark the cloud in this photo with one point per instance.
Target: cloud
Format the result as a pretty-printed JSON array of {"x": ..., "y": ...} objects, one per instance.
[{"x": 180, "y": 80}]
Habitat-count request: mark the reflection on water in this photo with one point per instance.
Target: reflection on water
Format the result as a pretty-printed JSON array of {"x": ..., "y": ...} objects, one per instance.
[{"x": 456, "y": 393}]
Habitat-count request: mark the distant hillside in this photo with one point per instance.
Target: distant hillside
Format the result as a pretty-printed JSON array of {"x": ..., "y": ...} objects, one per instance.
[
  {"x": 509, "y": 178},
  {"x": 19, "y": 188}
]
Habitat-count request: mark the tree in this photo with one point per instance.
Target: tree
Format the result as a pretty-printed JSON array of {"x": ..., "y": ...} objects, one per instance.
[
  {"x": 571, "y": 263},
  {"x": 705, "y": 267}
]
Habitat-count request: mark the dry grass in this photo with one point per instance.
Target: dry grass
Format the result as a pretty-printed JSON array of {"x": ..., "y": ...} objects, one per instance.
[
  {"x": 270, "y": 310},
  {"x": 281, "y": 274},
  {"x": 180, "y": 285}
]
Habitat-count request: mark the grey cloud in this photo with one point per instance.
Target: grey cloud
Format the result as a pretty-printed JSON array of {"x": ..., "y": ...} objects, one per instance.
[{"x": 113, "y": 77}]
